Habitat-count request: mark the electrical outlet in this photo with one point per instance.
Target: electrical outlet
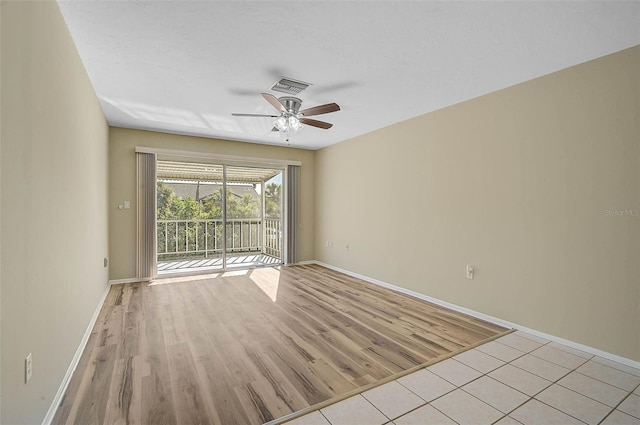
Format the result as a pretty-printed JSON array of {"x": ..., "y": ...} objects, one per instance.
[{"x": 28, "y": 368}]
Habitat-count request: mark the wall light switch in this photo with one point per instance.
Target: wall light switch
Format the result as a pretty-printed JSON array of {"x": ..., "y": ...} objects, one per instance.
[
  {"x": 469, "y": 271},
  {"x": 28, "y": 368}
]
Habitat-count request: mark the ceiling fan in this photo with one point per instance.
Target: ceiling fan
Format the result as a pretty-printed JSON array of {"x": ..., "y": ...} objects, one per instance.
[{"x": 291, "y": 117}]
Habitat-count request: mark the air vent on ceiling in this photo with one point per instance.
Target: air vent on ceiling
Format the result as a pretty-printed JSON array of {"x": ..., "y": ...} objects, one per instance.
[{"x": 289, "y": 86}]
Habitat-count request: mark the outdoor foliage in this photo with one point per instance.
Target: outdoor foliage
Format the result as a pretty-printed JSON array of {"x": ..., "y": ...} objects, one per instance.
[
  {"x": 195, "y": 237},
  {"x": 272, "y": 197},
  {"x": 173, "y": 207}
]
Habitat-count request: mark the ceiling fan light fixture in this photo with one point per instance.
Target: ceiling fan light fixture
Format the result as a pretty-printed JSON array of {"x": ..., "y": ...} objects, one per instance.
[
  {"x": 294, "y": 123},
  {"x": 281, "y": 123},
  {"x": 287, "y": 123}
]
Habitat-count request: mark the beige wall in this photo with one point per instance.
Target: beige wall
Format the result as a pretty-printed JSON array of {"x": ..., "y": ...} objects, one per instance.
[
  {"x": 54, "y": 205},
  {"x": 122, "y": 172},
  {"x": 1, "y": 4},
  {"x": 516, "y": 183}
]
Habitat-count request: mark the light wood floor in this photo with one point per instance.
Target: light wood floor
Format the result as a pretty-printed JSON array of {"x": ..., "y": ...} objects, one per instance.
[{"x": 251, "y": 346}]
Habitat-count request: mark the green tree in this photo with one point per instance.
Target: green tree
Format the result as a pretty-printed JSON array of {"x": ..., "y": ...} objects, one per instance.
[
  {"x": 272, "y": 200},
  {"x": 172, "y": 207},
  {"x": 237, "y": 207},
  {"x": 164, "y": 195},
  {"x": 181, "y": 236}
]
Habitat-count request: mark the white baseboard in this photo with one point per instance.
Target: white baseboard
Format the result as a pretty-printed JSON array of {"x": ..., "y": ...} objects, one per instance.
[
  {"x": 486, "y": 317},
  {"x": 74, "y": 362}
]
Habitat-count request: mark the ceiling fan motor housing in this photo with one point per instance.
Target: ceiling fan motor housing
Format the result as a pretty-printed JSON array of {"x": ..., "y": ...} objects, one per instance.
[{"x": 291, "y": 104}]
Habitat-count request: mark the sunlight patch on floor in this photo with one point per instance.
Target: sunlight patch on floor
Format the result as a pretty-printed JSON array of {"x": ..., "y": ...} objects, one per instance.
[{"x": 267, "y": 280}]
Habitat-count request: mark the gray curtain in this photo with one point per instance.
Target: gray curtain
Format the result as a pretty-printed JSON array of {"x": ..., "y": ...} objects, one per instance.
[
  {"x": 146, "y": 216},
  {"x": 293, "y": 213}
]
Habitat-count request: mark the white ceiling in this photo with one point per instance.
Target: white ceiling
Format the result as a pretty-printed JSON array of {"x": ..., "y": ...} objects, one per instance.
[{"x": 185, "y": 66}]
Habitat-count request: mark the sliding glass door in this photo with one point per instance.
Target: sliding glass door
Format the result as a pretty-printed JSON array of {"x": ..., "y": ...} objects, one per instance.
[{"x": 217, "y": 217}]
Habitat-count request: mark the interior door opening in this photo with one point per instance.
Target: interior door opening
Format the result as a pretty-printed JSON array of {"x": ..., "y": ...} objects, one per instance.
[{"x": 216, "y": 217}]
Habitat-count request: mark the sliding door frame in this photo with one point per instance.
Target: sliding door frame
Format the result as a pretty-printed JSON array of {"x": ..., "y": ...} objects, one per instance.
[
  {"x": 224, "y": 217},
  {"x": 233, "y": 161}
]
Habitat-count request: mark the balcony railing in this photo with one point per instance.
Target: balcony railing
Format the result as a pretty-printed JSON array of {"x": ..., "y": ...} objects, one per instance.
[{"x": 204, "y": 238}]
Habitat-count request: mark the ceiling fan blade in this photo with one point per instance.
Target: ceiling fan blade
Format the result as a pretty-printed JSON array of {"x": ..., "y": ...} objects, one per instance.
[
  {"x": 254, "y": 115},
  {"x": 316, "y": 123},
  {"x": 274, "y": 102},
  {"x": 319, "y": 110}
]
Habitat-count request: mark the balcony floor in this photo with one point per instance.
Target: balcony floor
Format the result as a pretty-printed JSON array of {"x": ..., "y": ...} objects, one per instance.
[{"x": 237, "y": 260}]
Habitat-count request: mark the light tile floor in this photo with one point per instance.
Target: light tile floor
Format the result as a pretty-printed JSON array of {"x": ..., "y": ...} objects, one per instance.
[{"x": 519, "y": 379}]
